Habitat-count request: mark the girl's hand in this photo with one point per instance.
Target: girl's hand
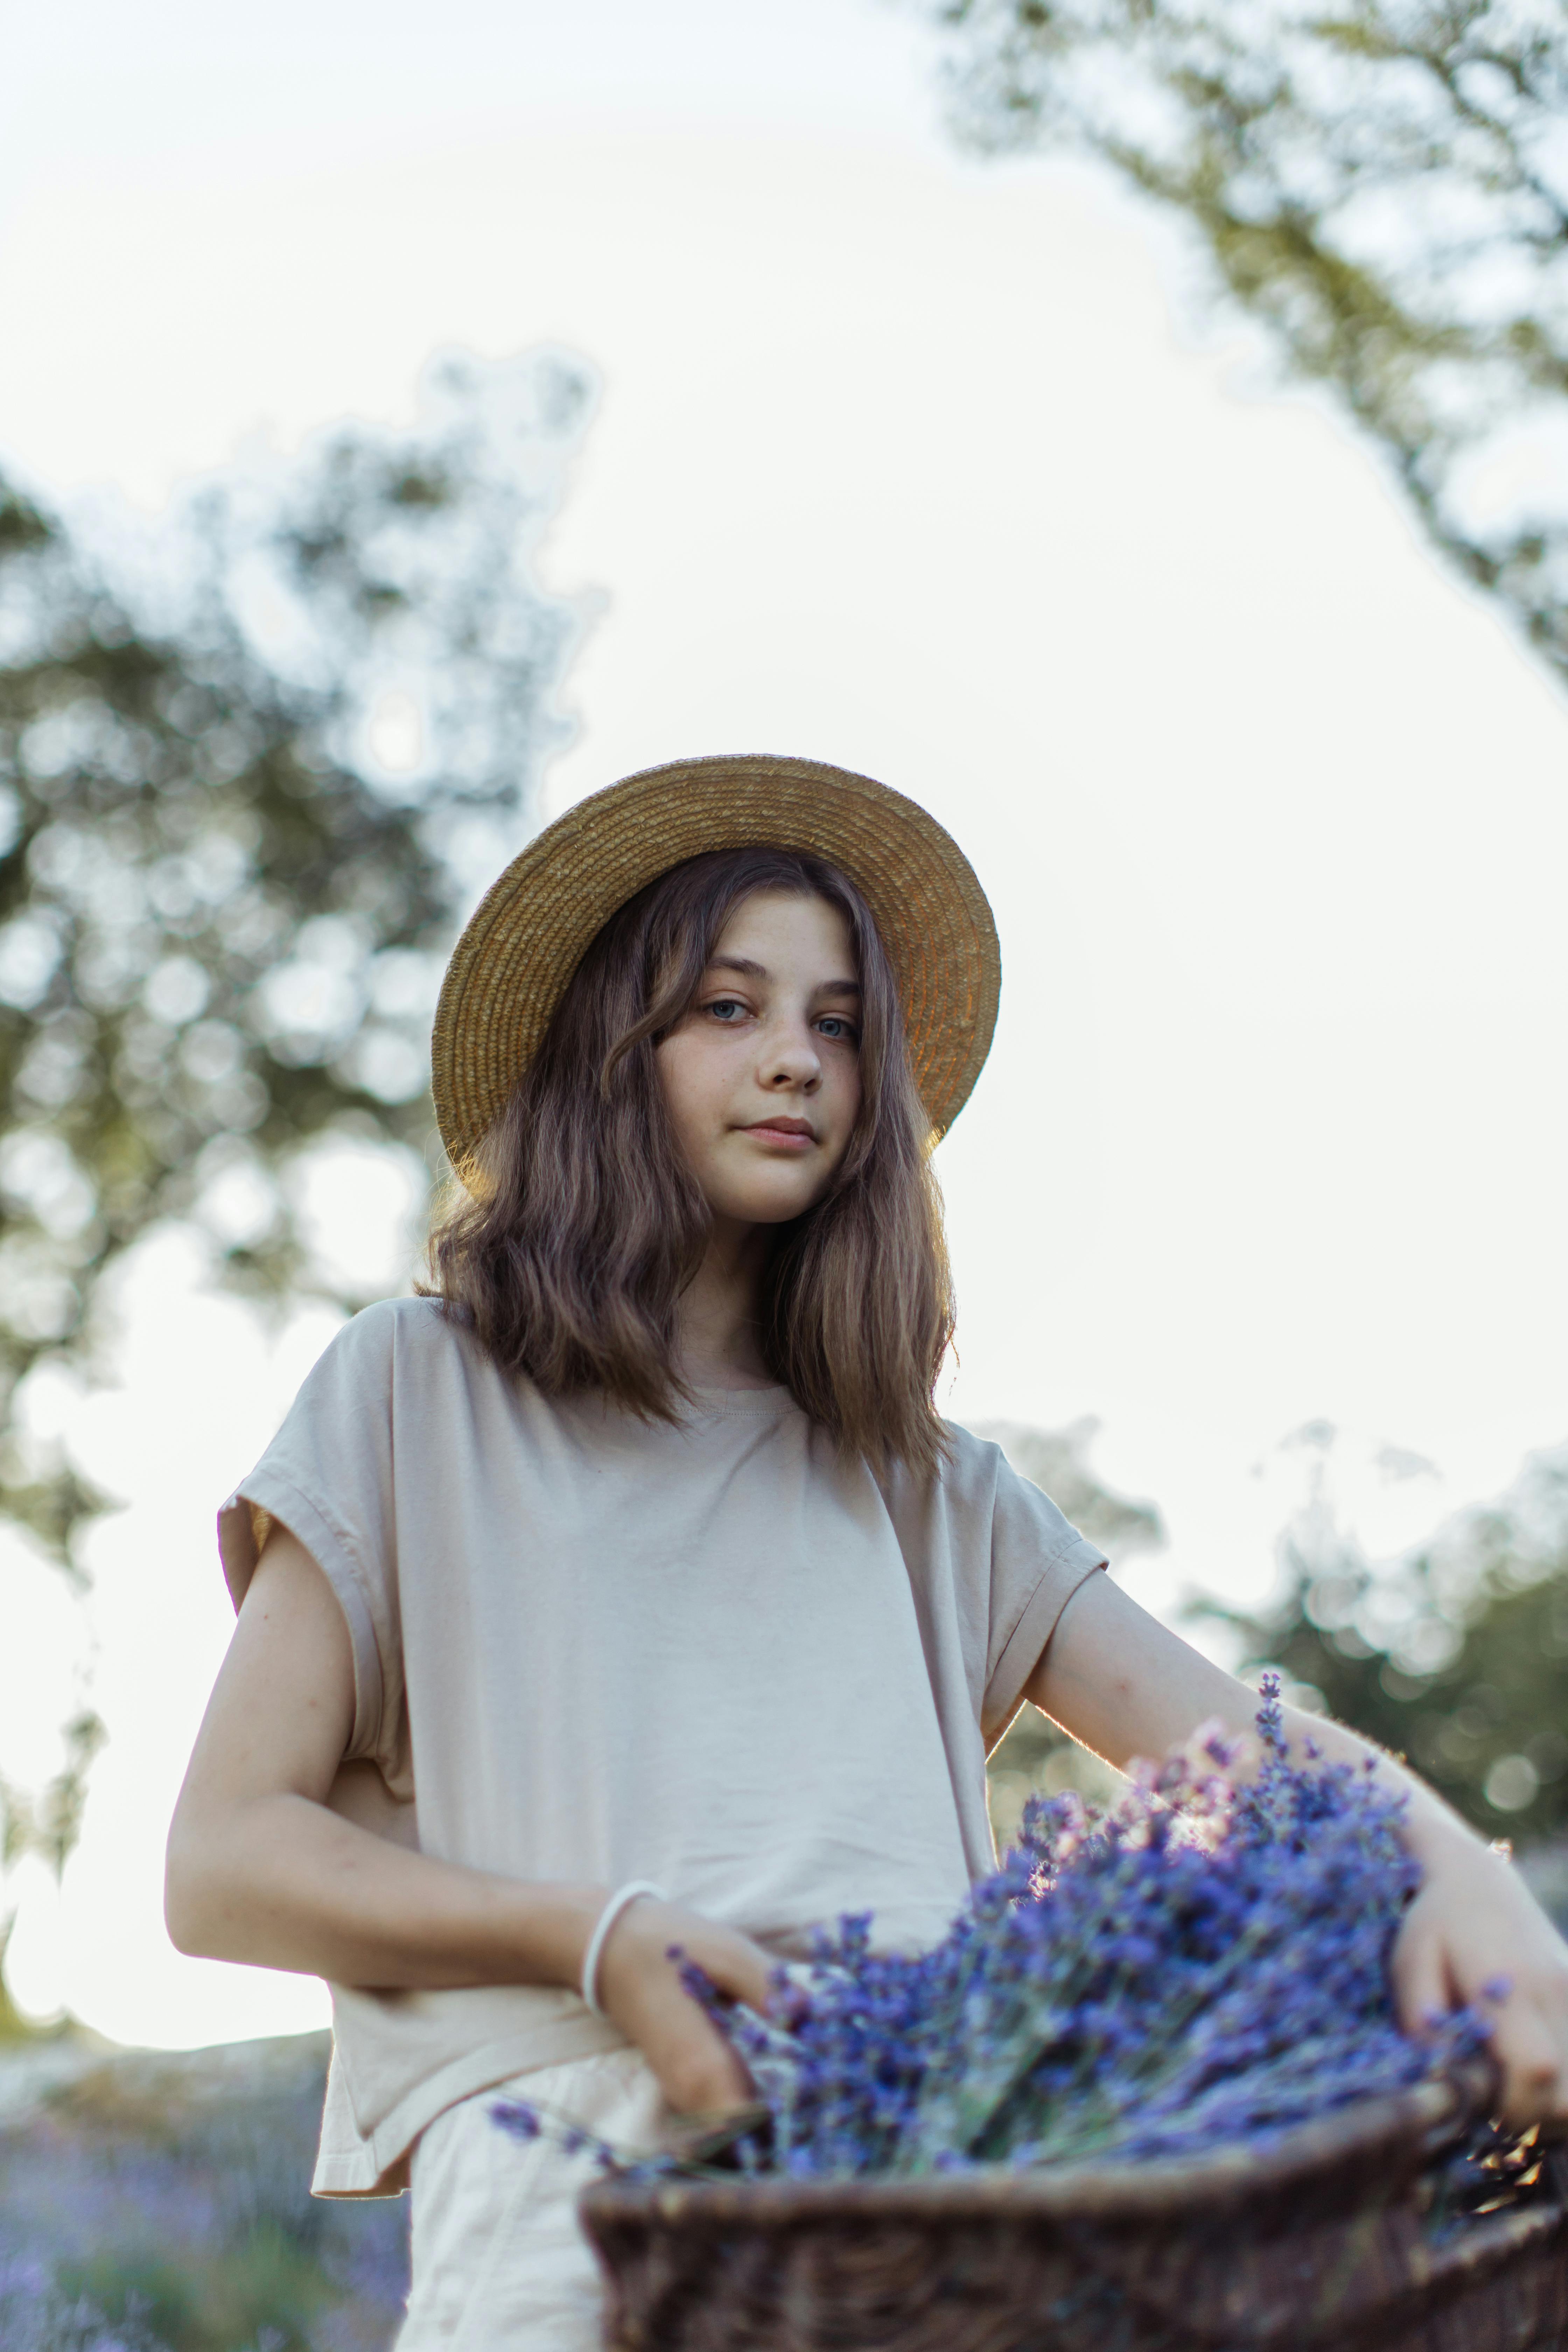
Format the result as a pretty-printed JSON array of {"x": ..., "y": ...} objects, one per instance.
[
  {"x": 1474, "y": 1925},
  {"x": 1118, "y": 1680},
  {"x": 639, "y": 1988}
]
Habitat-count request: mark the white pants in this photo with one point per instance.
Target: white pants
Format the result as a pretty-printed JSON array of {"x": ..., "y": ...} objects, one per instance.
[{"x": 500, "y": 2262}]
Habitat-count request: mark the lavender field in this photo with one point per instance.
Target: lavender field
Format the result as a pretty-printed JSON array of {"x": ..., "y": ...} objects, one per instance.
[{"x": 158, "y": 2202}]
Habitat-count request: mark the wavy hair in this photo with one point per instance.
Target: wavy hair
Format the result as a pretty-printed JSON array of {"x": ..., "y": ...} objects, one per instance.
[{"x": 569, "y": 1257}]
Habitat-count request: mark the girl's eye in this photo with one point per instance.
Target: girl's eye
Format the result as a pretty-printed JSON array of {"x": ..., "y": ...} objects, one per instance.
[
  {"x": 834, "y": 1025},
  {"x": 726, "y": 1008}
]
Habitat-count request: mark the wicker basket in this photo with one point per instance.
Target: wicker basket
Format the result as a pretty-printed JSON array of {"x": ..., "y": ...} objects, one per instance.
[{"x": 1318, "y": 2243}]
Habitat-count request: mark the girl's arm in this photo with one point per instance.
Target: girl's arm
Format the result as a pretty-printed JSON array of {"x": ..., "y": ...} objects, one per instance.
[
  {"x": 1121, "y": 1684},
  {"x": 260, "y": 1870}
]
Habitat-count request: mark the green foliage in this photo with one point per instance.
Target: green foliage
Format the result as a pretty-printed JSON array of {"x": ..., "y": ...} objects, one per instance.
[
  {"x": 1057, "y": 1461},
  {"x": 222, "y": 901},
  {"x": 1456, "y": 1656},
  {"x": 267, "y": 2288},
  {"x": 157, "y": 2202},
  {"x": 17, "y": 2031},
  {"x": 1382, "y": 184},
  {"x": 251, "y": 763},
  {"x": 49, "y": 1825},
  {"x": 1033, "y": 1754}
]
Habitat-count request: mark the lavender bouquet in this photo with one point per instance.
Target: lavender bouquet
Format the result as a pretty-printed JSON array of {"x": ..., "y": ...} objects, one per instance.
[{"x": 1207, "y": 1961}]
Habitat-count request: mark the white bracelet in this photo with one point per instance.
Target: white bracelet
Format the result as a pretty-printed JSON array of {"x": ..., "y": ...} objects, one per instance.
[{"x": 620, "y": 1901}]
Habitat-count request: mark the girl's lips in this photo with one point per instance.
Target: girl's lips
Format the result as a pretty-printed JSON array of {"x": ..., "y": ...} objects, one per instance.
[{"x": 789, "y": 1133}]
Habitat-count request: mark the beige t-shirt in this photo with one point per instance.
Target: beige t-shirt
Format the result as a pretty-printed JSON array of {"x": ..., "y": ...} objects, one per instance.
[{"x": 714, "y": 1655}]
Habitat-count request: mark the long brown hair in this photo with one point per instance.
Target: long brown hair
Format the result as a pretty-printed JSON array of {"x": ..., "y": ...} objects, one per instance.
[{"x": 569, "y": 1258}]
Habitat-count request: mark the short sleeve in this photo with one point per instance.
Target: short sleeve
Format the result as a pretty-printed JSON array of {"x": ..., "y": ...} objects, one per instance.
[
  {"x": 327, "y": 1476},
  {"x": 991, "y": 1564},
  {"x": 1039, "y": 1560}
]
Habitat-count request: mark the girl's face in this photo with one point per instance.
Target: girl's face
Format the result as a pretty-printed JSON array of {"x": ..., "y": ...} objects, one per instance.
[{"x": 762, "y": 1075}]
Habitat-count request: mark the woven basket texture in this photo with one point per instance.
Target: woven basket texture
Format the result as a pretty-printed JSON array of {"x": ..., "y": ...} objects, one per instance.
[{"x": 1317, "y": 2243}]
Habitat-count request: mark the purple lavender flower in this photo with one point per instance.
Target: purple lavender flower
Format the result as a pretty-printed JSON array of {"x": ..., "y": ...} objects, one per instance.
[
  {"x": 517, "y": 2118},
  {"x": 167, "y": 2199},
  {"x": 1207, "y": 1961},
  {"x": 522, "y": 2120}
]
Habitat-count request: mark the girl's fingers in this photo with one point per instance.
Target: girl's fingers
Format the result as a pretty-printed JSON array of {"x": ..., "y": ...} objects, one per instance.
[
  {"x": 698, "y": 2072},
  {"x": 641, "y": 1987},
  {"x": 1533, "y": 2062},
  {"x": 1421, "y": 1987},
  {"x": 743, "y": 1970},
  {"x": 1453, "y": 1949},
  {"x": 1557, "y": 2023}
]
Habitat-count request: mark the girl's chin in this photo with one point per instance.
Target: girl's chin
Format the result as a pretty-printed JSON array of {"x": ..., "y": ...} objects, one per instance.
[{"x": 763, "y": 1204}]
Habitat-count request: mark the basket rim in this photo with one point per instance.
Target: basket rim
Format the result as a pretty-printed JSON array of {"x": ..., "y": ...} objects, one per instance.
[{"x": 1411, "y": 2124}]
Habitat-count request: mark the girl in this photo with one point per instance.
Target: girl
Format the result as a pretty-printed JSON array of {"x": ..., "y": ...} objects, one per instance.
[{"x": 627, "y": 1592}]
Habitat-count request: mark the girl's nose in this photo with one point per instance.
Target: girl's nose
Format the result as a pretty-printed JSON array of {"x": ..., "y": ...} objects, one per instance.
[{"x": 793, "y": 1062}]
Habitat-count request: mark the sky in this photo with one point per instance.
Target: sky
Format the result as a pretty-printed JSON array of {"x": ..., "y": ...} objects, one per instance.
[{"x": 935, "y": 469}]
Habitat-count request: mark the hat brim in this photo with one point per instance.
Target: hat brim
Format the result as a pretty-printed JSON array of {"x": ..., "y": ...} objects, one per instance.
[{"x": 529, "y": 932}]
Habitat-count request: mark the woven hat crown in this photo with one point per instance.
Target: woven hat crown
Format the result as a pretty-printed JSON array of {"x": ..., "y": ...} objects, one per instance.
[{"x": 529, "y": 932}]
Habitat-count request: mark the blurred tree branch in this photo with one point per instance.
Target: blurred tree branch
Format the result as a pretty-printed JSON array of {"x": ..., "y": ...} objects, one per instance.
[
  {"x": 1384, "y": 185},
  {"x": 249, "y": 766},
  {"x": 49, "y": 1825},
  {"x": 1455, "y": 1655}
]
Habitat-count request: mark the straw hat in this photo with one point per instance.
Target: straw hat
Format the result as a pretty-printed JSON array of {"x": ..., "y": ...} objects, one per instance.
[{"x": 529, "y": 932}]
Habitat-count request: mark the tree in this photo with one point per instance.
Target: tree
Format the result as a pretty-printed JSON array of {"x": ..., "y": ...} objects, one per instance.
[
  {"x": 1455, "y": 1655},
  {"x": 250, "y": 766},
  {"x": 1382, "y": 183},
  {"x": 1034, "y": 1753}
]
